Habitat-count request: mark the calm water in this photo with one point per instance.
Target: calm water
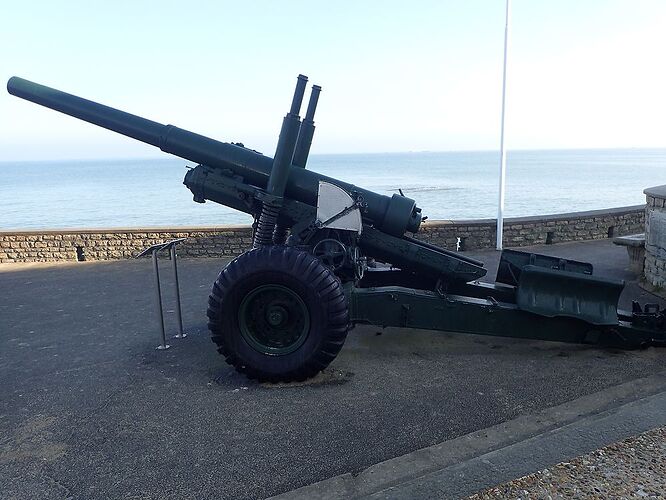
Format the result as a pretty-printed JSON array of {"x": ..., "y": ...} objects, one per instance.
[{"x": 452, "y": 185}]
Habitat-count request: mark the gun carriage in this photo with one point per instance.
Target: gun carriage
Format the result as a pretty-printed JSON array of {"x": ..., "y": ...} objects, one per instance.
[{"x": 328, "y": 255}]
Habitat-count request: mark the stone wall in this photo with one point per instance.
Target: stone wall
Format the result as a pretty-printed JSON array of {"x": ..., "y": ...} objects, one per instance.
[
  {"x": 112, "y": 244},
  {"x": 655, "y": 236},
  {"x": 109, "y": 244},
  {"x": 535, "y": 230}
]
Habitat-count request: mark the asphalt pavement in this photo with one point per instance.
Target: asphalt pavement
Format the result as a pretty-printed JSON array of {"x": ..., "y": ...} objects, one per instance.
[{"x": 89, "y": 408}]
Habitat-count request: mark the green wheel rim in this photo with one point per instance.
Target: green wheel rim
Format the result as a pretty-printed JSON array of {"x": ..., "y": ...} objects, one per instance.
[{"x": 274, "y": 320}]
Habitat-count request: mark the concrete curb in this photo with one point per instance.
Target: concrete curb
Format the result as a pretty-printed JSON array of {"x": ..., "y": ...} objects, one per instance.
[
  {"x": 512, "y": 449},
  {"x": 536, "y": 453}
]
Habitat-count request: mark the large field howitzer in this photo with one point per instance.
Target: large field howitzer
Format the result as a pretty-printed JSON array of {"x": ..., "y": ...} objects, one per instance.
[{"x": 327, "y": 255}]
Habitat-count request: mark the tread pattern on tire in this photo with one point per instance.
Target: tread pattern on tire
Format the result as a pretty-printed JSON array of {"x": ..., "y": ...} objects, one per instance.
[{"x": 318, "y": 279}]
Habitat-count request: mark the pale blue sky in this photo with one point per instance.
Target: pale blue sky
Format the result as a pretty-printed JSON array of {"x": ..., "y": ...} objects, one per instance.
[{"x": 396, "y": 76}]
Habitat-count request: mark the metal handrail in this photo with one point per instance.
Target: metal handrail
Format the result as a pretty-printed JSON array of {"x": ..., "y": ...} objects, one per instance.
[{"x": 153, "y": 250}]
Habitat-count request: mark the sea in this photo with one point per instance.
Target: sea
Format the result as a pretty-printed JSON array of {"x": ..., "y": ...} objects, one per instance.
[{"x": 446, "y": 185}]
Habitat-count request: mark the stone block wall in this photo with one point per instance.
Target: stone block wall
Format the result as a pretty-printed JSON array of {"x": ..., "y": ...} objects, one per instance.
[
  {"x": 109, "y": 244},
  {"x": 655, "y": 236},
  {"x": 535, "y": 230},
  {"x": 112, "y": 244}
]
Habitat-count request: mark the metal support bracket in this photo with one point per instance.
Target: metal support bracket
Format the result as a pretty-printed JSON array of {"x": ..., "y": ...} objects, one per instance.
[{"x": 336, "y": 209}]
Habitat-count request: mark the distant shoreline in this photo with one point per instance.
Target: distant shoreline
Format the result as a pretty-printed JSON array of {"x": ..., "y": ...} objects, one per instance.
[{"x": 368, "y": 153}]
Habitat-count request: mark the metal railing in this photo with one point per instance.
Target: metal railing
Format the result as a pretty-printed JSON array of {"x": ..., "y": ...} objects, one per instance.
[{"x": 153, "y": 251}]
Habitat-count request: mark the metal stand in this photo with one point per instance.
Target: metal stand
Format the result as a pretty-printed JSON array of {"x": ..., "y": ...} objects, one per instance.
[
  {"x": 158, "y": 298},
  {"x": 172, "y": 252},
  {"x": 153, "y": 251}
]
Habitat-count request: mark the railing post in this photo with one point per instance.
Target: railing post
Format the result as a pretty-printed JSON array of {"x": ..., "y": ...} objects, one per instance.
[
  {"x": 153, "y": 251},
  {"x": 172, "y": 249},
  {"x": 158, "y": 299}
]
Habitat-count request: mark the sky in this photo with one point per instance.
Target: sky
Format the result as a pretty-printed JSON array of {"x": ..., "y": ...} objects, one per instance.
[{"x": 396, "y": 75}]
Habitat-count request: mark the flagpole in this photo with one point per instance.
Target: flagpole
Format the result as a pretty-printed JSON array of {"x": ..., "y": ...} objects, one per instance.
[{"x": 502, "y": 173}]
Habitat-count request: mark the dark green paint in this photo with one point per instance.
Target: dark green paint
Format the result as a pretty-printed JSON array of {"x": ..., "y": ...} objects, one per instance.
[
  {"x": 412, "y": 308},
  {"x": 273, "y": 320},
  {"x": 254, "y": 167},
  {"x": 535, "y": 296}
]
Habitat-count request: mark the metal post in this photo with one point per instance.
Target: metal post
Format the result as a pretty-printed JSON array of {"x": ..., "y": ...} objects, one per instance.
[
  {"x": 158, "y": 298},
  {"x": 179, "y": 317},
  {"x": 500, "y": 206}
]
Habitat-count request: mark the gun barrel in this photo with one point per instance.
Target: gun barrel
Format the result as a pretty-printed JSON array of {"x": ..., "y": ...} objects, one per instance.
[
  {"x": 393, "y": 215},
  {"x": 168, "y": 138},
  {"x": 127, "y": 124}
]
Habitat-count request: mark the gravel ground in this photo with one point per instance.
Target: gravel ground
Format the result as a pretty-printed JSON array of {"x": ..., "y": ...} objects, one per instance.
[{"x": 633, "y": 468}]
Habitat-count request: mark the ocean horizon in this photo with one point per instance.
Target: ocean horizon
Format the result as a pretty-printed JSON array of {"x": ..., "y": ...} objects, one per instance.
[{"x": 105, "y": 193}]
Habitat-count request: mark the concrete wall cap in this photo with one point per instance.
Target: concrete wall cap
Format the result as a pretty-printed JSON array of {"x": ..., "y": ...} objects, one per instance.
[
  {"x": 656, "y": 191},
  {"x": 118, "y": 230},
  {"x": 538, "y": 218},
  {"x": 632, "y": 240}
]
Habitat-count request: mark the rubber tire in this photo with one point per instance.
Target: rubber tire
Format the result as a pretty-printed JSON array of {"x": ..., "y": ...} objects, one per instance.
[{"x": 315, "y": 284}]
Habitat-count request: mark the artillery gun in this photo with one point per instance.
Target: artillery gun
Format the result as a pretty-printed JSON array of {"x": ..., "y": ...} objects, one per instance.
[{"x": 328, "y": 255}]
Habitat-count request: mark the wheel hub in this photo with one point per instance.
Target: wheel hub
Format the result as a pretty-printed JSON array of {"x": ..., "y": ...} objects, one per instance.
[
  {"x": 277, "y": 315},
  {"x": 273, "y": 319}
]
